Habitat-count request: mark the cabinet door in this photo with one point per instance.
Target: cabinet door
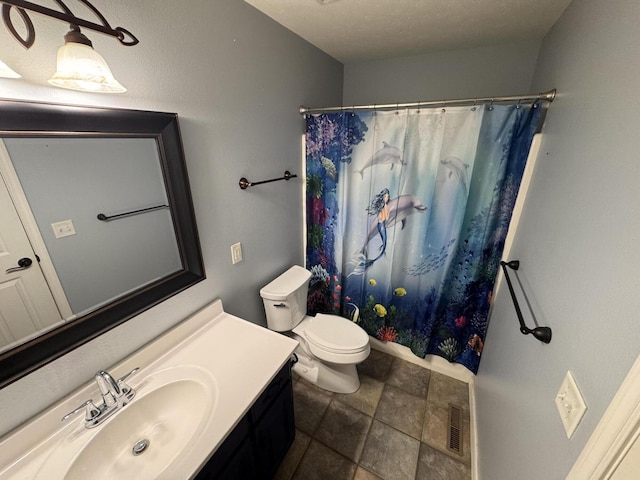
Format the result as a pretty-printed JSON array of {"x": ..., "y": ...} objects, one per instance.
[
  {"x": 274, "y": 433},
  {"x": 242, "y": 466},
  {"x": 233, "y": 457}
]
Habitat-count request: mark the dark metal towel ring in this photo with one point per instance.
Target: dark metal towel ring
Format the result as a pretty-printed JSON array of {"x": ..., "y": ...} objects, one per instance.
[{"x": 541, "y": 333}]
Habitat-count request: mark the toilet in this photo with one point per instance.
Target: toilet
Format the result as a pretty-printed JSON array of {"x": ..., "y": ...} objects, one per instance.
[{"x": 329, "y": 346}]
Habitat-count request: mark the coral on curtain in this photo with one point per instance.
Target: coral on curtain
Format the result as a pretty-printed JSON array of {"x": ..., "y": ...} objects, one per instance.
[{"x": 407, "y": 214}]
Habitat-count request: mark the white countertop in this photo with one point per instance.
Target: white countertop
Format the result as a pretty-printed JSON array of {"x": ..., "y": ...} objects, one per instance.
[{"x": 240, "y": 358}]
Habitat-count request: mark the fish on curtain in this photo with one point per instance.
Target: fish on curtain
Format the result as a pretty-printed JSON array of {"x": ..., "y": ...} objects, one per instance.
[{"x": 407, "y": 214}]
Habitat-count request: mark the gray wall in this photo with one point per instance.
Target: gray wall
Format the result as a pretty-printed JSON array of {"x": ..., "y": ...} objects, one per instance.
[
  {"x": 78, "y": 178},
  {"x": 578, "y": 246},
  {"x": 475, "y": 72},
  {"x": 236, "y": 80}
]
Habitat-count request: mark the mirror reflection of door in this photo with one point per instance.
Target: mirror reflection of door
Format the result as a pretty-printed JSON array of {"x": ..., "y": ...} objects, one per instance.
[
  {"x": 27, "y": 306},
  {"x": 73, "y": 180}
]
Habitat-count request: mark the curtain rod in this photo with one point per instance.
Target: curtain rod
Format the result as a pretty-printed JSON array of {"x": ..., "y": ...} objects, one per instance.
[{"x": 545, "y": 96}]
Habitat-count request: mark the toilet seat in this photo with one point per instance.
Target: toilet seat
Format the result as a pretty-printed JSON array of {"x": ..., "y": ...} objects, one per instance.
[{"x": 334, "y": 339}]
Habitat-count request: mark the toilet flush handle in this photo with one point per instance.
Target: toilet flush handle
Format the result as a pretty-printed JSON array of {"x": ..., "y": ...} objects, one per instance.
[{"x": 281, "y": 305}]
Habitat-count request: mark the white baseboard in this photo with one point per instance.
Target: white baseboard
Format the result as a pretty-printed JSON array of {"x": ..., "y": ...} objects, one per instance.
[
  {"x": 432, "y": 362},
  {"x": 473, "y": 439}
]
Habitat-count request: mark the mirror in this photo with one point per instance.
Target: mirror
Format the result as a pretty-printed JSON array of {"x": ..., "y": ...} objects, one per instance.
[{"x": 102, "y": 225}]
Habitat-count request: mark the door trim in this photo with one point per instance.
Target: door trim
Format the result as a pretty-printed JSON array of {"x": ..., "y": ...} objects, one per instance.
[
  {"x": 614, "y": 435},
  {"x": 21, "y": 204}
]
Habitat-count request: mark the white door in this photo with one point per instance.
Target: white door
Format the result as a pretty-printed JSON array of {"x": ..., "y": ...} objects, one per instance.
[{"x": 26, "y": 303}]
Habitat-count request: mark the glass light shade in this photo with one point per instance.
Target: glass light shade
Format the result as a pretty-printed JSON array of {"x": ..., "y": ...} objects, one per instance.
[
  {"x": 80, "y": 67},
  {"x": 6, "y": 72}
]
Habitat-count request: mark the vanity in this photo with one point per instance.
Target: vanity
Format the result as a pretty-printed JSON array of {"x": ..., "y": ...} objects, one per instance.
[{"x": 213, "y": 400}]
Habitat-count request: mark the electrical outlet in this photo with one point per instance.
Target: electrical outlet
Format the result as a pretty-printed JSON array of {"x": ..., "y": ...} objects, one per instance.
[
  {"x": 570, "y": 404},
  {"x": 63, "y": 228},
  {"x": 236, "y": 253}
]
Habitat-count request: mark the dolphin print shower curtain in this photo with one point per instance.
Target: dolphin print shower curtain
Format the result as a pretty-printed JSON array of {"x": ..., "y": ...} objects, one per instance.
[{"x": 407, "y": 214}]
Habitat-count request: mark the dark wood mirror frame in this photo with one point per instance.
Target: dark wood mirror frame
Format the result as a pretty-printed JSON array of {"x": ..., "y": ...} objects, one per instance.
[{"x": 18, "y": 118}]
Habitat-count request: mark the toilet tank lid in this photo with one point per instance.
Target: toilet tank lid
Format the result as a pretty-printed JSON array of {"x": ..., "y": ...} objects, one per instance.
[{"x": 287, "y": 283}]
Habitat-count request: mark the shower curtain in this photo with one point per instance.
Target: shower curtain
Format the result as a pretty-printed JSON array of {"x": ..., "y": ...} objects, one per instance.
[{"x": 407, "y": 214}]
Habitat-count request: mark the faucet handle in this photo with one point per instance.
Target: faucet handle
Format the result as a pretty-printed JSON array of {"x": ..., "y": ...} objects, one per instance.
[
  {"x": 126, "y": 389},
  {"x": 91, "y": 411},
  {"x": 124, "y": 377}
]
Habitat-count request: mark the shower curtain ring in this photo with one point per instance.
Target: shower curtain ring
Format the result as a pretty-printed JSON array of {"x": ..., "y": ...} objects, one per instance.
[
  {"x": 535, "y": 102},
  {"x": 491, "y": 105}
]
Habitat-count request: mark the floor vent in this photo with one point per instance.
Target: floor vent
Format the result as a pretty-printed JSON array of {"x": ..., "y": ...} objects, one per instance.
[{"x": 454, "y": 438}]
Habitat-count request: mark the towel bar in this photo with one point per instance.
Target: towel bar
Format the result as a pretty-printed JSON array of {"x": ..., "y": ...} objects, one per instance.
[
  {"x": 541, "y": 333},
  {"x": 244, "y": 183},
  {"x": 106, "y": 218}
]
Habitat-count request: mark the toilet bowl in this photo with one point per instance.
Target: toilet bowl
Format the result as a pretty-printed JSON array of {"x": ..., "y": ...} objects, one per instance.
[
  {"x": 334, "y": 339},
  {"x": 329, "y": 346}
]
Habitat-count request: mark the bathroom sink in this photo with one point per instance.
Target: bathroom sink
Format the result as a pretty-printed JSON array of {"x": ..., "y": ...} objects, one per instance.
[
  {"x": 195, "y": 383},
  {"x": 169, "y": 413}
]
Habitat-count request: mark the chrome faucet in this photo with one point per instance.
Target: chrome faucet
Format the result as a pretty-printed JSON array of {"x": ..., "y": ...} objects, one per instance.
[
  {"x": 115, "y": 395},
  {"x": 109, "y": 389}
]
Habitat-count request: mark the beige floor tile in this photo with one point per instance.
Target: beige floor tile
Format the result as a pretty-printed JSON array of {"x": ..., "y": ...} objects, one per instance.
[
  {"x": 389, "y": 453},
  {"x": 409, "y": 377},
  {"x": 322, "y": 463},
  {"x": 377, "y": 365},
  {"x": 445, "y": 390},
  {"x": 402, "y": 410},
  {"x": 344, "y": 429},
  {"x": 362, "y": 474},
  {"x": 309, "y": 405},
  {"x": 435, "y": 465},
  {"x": 293, "y": 457},
  {"x": 366, "y": 398}
]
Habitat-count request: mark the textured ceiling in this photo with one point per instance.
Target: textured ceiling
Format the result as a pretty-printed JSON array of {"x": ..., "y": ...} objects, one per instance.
[{"x": 353, "y": 30}]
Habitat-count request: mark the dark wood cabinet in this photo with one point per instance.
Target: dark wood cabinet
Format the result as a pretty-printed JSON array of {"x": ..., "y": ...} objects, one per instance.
[
  {"x": 274, "y": 433},
  {"x": 256, "y": 447}
]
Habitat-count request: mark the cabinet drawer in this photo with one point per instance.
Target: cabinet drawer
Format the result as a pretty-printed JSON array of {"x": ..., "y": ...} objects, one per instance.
[{"x": 271, "y": 392}]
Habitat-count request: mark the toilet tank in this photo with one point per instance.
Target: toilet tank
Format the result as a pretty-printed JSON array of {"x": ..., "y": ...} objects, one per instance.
[{"x": 285, "y": 299}]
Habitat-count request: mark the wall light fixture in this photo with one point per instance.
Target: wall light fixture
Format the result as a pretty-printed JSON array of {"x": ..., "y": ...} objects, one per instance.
[
  {"x": 79, "y": 66},
  {"x": 7, "y": 72}
]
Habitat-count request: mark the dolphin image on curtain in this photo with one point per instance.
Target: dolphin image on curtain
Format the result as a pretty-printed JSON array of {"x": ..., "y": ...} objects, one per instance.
[{"x": 407, "y": 214}]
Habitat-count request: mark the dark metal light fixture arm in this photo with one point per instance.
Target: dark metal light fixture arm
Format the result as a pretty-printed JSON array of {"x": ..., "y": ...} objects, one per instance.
[
  {"x": 124, "y": 36},
  {"x": 541, "y": 333}
]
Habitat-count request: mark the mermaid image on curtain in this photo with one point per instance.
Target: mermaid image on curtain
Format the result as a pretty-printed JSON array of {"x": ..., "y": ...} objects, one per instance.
[
  {"x": 378, "y": 208},
  {"x": 387, "y": 214}
]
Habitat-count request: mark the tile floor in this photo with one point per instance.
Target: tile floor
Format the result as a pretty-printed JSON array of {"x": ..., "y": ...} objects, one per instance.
[{"x": 393, "y": 428}]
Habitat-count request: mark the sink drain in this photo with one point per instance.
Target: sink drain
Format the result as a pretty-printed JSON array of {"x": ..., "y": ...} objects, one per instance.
[{"x": 140, "y": 446}]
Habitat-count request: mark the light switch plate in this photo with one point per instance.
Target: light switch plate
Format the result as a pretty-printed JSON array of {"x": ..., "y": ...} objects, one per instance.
[
  {"x": 236, "y": 253},
  {"x": 63, "y": 228},
  {"x": 570, "y": 403}
]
